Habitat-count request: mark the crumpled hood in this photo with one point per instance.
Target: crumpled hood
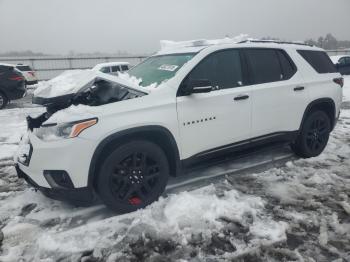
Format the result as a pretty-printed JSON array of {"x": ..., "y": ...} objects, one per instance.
[
  {"x": 84, "y": 89},
  {"x": 75, "y": 81}
]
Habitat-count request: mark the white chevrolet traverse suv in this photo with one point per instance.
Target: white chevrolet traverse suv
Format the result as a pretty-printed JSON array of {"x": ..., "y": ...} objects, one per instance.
[{"x": 119, "y": 141}]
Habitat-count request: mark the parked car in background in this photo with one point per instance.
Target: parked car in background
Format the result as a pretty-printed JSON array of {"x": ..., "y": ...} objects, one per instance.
[
  {"x": 342, "y": 63},
  {"x": 28, "y": 73},
  {"x": 112, "y": 68},
  {"x": 12, "y": 84}
]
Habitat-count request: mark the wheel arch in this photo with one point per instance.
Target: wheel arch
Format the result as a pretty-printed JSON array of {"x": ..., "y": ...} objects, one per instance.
[
  {"x": 324, "y": 104},
  {"x": 156, "y": 134}
]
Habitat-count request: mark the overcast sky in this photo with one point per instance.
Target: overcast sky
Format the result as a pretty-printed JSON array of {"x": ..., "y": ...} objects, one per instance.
[{"x": 136, "y": 26}]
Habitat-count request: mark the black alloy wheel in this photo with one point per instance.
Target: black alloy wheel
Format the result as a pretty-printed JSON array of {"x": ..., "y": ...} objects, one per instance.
[
  {"x": 314, "y": 135},
  {"x": 133, "y": 176}
]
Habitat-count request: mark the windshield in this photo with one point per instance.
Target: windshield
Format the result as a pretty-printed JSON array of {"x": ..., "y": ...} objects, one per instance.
[{"x": 157, "y": 69}]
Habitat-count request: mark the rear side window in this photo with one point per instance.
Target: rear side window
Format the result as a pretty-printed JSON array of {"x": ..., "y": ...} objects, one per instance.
[
  {"x": 115, "y": 68},
  {"x": 24, "y": 68},
  {"x": 265, "y": 65},
  {"x": 223, "y": 69},
  {"x": 125, "y": 68},
  {"x": 319, "y": 60}
]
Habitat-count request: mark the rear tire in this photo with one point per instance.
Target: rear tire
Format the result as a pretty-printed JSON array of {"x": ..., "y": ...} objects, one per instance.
[
  {"x": 3, "y": 100},
  {"x": 133, "y": 176},
  {"x": 314, "y": 135}
]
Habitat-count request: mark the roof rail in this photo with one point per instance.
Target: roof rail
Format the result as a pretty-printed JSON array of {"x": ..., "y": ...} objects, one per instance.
[{"x": 273, "y": 41}]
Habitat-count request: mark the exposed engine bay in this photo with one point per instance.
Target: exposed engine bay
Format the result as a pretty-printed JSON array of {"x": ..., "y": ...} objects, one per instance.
[{"x": 97, "y": 92}]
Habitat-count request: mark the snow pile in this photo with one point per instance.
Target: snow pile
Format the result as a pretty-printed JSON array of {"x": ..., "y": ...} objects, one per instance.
[
  {"x": 13, "y": 126},
  {"x": 179, "y": 217},
  {"x": 171, "y": 45},
  {"x": 66, "y": 83},
  {"x": 73, "y": 81},
  {"x": 135, "y": 81},
  {"x": 74, "y": 113}
]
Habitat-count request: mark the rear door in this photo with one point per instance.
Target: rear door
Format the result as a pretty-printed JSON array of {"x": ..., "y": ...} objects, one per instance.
[
  {"x": 278, "y": 97},
  {"x": 216, "y": 119}
]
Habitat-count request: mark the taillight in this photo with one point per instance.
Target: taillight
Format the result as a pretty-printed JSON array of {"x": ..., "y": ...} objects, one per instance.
[
  {"x": 16, "y": 78},
  {"x": 339, "y": 81},
  {"x": 31, "y": 73}
]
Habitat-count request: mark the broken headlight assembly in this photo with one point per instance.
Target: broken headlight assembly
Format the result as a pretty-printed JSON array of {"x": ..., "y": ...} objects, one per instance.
[{"x": 53, "y": 132}]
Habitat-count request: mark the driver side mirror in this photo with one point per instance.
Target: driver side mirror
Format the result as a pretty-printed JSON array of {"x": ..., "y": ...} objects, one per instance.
[{"x": 197, "y": 86}]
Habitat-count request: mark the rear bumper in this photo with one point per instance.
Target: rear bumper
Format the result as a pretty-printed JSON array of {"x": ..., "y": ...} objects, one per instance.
[{"x": 83, "y": 196}]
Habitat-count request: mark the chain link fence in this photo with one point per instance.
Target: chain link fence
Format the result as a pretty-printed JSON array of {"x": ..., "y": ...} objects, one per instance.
[
  {"x": 49, "y": 67},
  {"x": 338, "y": 52}
]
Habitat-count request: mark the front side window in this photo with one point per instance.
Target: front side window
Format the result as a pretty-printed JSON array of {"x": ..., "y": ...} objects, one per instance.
[
  {"x": 265, "y": 65},
  {"x": 342, "y": 61},
  {"x": 158, "y": 69},
  {"x": 288, "y": 67},
  {"x": 223, "y": 69},
  {"x": 105, "y": 69}
]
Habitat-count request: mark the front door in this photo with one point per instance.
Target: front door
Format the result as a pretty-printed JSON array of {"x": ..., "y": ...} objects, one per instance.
[{"x": 220, "y": 117}]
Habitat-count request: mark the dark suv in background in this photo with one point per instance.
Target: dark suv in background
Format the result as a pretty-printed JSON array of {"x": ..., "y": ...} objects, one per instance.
[
  {"x": 12, "y": 84},
  {"x": 342, "y": 63}
]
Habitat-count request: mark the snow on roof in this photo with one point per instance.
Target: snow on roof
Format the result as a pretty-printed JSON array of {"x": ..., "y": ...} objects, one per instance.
[
  {"x": 170, "y": 47},
  {"x": 199, "y": 44},
  {"x": 99, "y": 66}
]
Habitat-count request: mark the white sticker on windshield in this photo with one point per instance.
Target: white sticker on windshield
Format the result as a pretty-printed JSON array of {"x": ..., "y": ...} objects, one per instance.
[{"x": 170, "y": 68}]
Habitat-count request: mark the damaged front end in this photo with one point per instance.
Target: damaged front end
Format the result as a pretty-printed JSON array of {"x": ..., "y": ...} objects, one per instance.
[{"x": 86, "y": 88}]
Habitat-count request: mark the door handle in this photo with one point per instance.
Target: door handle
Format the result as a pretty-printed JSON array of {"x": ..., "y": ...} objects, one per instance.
[
  {"x": 299, "y": 88},
  {"x": 241, "y": 97}
]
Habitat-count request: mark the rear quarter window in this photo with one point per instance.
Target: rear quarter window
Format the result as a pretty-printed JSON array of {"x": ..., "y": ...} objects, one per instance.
[
  {"x": 319, "y": 60},
  {"x": 115, "y": 68},
  {"x": 125, "y": 68}
]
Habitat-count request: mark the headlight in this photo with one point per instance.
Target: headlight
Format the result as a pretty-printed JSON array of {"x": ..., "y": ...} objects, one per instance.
[{"x": 66, "y": 130}]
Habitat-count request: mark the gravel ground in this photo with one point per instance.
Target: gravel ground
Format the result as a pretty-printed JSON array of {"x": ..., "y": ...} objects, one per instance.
[{"x": 298, "y": 210}]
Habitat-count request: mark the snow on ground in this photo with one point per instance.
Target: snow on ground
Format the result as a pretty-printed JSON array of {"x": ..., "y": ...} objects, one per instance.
[{"x": 297, "y": 212}]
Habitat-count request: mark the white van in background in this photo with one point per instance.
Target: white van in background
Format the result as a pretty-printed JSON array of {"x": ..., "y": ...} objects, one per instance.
[
  {"x": 112, "y": 67},
  {"x": 28, "y": 73}
]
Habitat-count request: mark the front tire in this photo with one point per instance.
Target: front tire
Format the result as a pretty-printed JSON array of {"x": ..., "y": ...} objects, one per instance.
[
  {"x": 314, "y": 135},
  {"x": 133, "y": 176},
  {"x": 3, "y": 100}
]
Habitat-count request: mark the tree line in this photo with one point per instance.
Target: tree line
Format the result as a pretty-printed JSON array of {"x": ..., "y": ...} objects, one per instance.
[{"x": 329, "y": 42}]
